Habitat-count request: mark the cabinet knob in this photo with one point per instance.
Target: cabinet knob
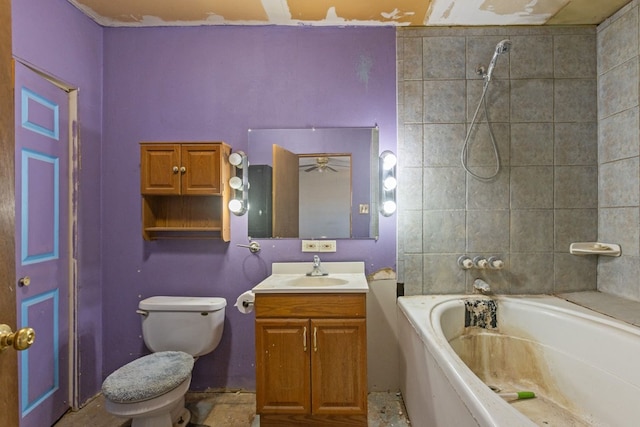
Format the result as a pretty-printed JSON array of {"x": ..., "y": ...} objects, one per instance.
[
  {"x": 175, "y": 169},
  {"x": 183, "y": 169}
]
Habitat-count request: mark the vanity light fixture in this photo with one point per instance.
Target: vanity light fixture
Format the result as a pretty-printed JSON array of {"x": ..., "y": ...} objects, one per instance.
[
  {"x": 240, "y": 184},
  {"x": 388, "y": 183}
]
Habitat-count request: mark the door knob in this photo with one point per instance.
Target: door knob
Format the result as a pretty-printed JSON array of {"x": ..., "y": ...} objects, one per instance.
[
  {"x": 20, "y": 339},
  {"x": 24, "y": 281}
]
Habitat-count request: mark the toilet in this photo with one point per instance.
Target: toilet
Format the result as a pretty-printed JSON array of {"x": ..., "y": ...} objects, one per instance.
[{"x": 150, "y": 390}]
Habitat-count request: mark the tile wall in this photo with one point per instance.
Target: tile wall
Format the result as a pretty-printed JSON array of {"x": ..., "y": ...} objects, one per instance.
[
  {"x": 618, "y": 149},
  {"x": 543, "y": 109}
]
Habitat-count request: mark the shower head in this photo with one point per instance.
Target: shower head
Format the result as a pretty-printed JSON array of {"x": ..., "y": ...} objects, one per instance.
[{"x": 502, "y": 47}]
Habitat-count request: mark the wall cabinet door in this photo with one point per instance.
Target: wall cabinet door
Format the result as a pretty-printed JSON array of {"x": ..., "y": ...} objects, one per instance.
[
  {"x": 200, "y": 169},
  {"x": 282, "y": 366},
  {"x": 339, "y": 366},
  {"x": 160, "y": 169}
]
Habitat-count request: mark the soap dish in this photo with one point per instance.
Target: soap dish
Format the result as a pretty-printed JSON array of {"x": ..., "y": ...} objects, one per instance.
[{"x": 594, "y": 248}]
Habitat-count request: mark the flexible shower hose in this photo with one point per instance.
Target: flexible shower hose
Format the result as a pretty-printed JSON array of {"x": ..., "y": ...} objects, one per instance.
[{"x": 463, "y": 153}]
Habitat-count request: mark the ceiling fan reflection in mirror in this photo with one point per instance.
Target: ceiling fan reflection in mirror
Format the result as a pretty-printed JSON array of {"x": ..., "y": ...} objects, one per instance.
[{"x": 324, "y": 163}]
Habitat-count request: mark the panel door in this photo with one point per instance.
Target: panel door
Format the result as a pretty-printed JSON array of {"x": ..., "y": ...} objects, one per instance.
[
  {"x": 201, "y": 163},
  {"x": 339, "y": 366},
  {"x": 42, "y": 240},
  {"x": 160, "y": 169},
  {"x": 282, "y": 366}
]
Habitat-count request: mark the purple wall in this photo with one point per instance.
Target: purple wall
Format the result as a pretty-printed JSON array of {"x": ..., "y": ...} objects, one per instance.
[
  {"x": 204, "y": 83},
  {"x": 214, "y": 83},
  {"x": 55, "y": 37}
]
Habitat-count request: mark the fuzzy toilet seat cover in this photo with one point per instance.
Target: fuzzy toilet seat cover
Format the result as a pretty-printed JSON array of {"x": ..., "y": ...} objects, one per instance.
[{"x": 148, "y": 377}]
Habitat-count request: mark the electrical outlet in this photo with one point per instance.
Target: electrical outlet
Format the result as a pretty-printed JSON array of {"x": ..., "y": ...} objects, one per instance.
[
  {"x": 327, "y": 246},
  {"x": 310, "y": 246},
  {"x": 364, "y": 208}
]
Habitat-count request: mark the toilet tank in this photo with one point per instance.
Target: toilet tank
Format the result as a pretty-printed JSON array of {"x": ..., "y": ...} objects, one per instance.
[{"x": 190, "y": 324}]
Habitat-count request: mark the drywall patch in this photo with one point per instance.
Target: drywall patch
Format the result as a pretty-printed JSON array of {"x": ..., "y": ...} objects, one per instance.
[
  {"x": 492, "y": 12},
  {"x": 396, "y": 14},
  {"x": 522, "y": 7},
  {"x": 154, "y": 12},
  {"x": 365, "y": 63}
]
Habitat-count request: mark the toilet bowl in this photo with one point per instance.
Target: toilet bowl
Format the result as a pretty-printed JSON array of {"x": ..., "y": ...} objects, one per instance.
[{"x": 150, "y": 390}]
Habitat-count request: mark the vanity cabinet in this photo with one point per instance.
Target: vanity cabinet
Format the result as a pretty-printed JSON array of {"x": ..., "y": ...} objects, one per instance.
[
  {"x": 311, "y": 362},
  {"x": 184, "y": 190}
]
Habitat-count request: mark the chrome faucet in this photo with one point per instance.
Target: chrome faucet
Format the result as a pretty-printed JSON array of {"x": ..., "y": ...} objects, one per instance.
[
  {"x": 481, "y": 286},
  {"x": 317, "y": 268}
]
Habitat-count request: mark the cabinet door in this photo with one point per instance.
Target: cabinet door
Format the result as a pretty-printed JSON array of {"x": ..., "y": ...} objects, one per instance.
[
  {"x": 282, "y": 366},
  {"x": 200, "y": 169},
  {"x": 159, "y": 169},
  {"x": 339, "y": 366}
]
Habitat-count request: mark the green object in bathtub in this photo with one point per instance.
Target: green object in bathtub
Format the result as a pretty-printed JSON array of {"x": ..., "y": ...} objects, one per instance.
[{"x": 517, "y": 395}]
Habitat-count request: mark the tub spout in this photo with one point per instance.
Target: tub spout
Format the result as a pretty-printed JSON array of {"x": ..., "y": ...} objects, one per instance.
[{"x": 481, "y": 286}]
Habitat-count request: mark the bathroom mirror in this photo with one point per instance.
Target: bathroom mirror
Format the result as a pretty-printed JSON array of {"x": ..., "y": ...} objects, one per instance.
[{"x": 313, "y": 183}]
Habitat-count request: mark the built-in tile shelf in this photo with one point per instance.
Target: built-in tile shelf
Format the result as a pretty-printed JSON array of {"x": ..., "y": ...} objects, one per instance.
[
  {"x": 614, "y": 306},
  {"x": 595, "y": 248}
]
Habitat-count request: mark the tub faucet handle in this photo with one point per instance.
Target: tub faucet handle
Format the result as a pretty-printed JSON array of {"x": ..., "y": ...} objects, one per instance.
[
  {"x": 480, "y": 262},
  {"x": 495, "y": 263},
  {"x": 464, "y": 262}
]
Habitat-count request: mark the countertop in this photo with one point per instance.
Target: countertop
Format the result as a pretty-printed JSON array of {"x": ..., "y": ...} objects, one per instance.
[{"x": 290, "y": 277}]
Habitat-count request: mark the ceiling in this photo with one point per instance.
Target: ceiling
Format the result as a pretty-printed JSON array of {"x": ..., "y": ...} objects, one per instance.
[{"x": 143, "y": 13}]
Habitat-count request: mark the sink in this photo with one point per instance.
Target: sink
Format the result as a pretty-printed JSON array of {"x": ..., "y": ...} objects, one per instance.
[
  {"x": 291, "y": 278},
  {"x": 313, "y": 281}
]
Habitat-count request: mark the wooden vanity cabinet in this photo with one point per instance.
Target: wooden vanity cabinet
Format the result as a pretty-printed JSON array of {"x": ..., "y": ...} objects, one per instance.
[
  {"x": 311, "y": 362},
  {"x": 184, "y": 190}
]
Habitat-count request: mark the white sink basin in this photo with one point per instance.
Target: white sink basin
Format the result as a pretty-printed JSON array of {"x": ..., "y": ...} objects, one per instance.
[
  {"x": 290, "y": 277},
  {"x": 316, "y": 281}
]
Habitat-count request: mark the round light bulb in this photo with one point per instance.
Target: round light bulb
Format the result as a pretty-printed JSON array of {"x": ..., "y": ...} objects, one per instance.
[
  {"x": 236, "y": 206},
  {"x": 388, "y": 207},
  {"x": 235, "y": 182},
  {"x": 390, "y": 183},
  {"x": 236, "y": 158},
  {"x": 389, "y": 160}
]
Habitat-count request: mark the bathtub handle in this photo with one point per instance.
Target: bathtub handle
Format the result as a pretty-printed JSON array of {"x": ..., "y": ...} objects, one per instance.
[
  {"x": 304, "y": 339},
  {"x": 315, "y": 339}
]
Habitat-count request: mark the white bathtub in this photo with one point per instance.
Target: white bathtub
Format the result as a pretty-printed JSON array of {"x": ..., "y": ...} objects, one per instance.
[{"x": 583, "y": 366}]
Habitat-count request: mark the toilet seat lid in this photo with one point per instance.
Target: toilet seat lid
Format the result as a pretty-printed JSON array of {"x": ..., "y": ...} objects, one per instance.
[
  {"x": 166, "y": 303},
  {"x": 148, "y": 377}
]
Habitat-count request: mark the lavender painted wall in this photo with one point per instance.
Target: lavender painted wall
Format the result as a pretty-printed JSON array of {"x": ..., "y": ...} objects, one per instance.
[
  {"x": 214, "y": 83},
  {"x": 55, "y": 37}
]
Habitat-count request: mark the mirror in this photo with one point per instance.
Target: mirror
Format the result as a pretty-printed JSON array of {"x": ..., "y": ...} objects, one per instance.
[{"x": 313, "y": 183}]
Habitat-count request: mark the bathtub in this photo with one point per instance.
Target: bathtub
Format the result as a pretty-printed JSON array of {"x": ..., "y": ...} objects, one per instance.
[{"x": 583, "y": 366}]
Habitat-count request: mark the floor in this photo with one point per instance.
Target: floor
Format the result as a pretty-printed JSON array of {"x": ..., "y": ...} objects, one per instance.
[{"x": 234, "y": 410}]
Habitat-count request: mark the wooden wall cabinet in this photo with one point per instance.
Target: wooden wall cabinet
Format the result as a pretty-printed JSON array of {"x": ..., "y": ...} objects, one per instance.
[
  {"x": 185, "y": 191},
  {"x": 311, "y": 362}
]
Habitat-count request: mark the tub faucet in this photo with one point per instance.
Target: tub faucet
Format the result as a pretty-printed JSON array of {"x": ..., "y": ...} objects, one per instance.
[
  {"x": 481, "y": 286},
  {"x": 317, "y": 268}
]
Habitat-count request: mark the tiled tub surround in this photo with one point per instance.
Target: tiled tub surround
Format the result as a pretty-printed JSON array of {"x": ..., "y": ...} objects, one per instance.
[
  {"x": 618, "y": 150},
  {"x": 542, "y": 103}
]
